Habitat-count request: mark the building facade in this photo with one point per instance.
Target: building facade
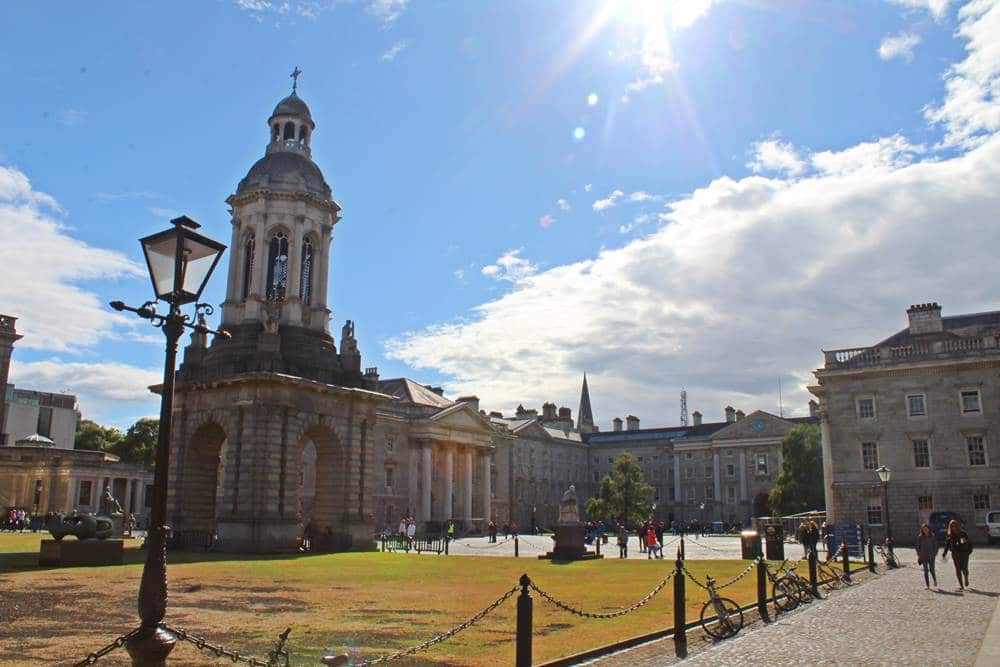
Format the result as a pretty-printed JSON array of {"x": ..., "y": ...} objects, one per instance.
[{"x": 924, "y": 403}]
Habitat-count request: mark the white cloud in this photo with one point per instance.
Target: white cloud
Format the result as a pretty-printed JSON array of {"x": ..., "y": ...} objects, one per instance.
[
  {"x": 393, "y": 51},
  {"x": 161, "y": 212},
  {"x": 588, "y": 187},
  {"x": 546, "y": 220},
  {"x": 254, "y": 5},
  {"x": 776, "y": 156},
  {"x": 459, "y": 274},
  {"x": 563, "y": 205},
  {"x": 748, "y": 282},
  {"x": 642, "y": 220},
  {"x": 71, "y": 117},
  {"x": 510, "y": 267},
  {"x": 683, "y": 14},
  {"x": 42, "y": 266},
  {"x": 608, "y": 202},
  {"x": 387, "y": 11},
  {"x": 101, "y": 388},
  {"x": 641, "y": 196},
  {"x": 899, "y": 46},
  {"x": 937, "y": 8}
]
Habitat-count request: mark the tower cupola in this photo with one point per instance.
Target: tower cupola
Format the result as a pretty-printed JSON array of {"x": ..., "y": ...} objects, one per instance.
[{"x": 291, "y": 123}]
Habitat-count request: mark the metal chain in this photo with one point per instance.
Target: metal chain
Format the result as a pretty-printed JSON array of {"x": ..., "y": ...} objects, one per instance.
[
  {"x": 202, "y": 644},
  {"x": 100, "y": 653},
  {"x": 443, "y": 636},
  {"x": 732, "y": 581},
  {"x": 614, "y": 614}
]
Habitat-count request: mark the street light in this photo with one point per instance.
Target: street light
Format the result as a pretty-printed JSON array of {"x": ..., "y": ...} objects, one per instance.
[
  {"x": 180, "y": 263},
  {"x": 885, "y": 474}
]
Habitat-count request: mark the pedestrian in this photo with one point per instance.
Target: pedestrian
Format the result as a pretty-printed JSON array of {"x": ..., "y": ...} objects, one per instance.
[
  {"x": 652, "y": 546},
  {"x": 659, "y": 533},
  {"x": 960, "y": 545},
  {"x": 812, "y": 537},
  {"x": 641, "y": 533},
  {"x": 506, "y": 531},
  {"x": 411, "y": 532},
  {"x": 622, "y": 541},
  {"x": 802, "y": 535},
  {"x": 927, "y": 548},
  {"x": 492, "y": 530}
]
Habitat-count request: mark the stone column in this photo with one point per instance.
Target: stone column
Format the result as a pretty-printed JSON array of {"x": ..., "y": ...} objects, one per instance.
[
  {"x": 425, "y": 478},
  {"x": 716, "y": 481},
  {"x": 260, "y": 259},
  {"x": 743, "y": 476},
  {"x": 487, "y": 488},
  {"x": 677, "y": 477},
  {"x": 74, "y": 493},
  {"x": 449, "y": 482},
  {"x": 467, "y": 500},
  {"x": 127, "y": 500}
]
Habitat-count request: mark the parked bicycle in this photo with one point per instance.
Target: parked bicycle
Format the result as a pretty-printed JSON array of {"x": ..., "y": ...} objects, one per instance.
[
  {"x": 784, "y": 590},
  {"x": 801, "y": 585},
  {"x": 728, "y": 615},
  {"x": 888, "y": 556},
  {"x": 832, "y": 578}
]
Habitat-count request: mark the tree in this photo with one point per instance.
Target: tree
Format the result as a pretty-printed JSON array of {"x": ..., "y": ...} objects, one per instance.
[
  {"x": 139, "y": 443},
  {"x": 800, "y": 485},
  {"x": 623, "y": 495},
  {"x": 91, "y": 435}
]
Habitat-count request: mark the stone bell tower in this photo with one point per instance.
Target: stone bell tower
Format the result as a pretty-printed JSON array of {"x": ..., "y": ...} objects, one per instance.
[{"x": 273, "y": 425}]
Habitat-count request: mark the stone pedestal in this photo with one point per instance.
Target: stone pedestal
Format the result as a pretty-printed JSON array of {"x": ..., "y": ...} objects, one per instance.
[
  {"x": 570, "y": 544},
  {"x": 68, "y": 552}
]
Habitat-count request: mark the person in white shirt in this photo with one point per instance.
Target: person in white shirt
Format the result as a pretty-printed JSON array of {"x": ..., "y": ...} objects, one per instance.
[{"x": 411, "y": 531}]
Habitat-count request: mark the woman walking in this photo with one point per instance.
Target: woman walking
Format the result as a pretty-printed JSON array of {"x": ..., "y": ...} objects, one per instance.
[
  {"x": 927, "y": 548},
  {"x": 960, "y": 545}
]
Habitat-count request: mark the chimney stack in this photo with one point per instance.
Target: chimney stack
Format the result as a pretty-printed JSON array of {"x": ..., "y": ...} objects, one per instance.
[
  {"x": 813, "y": 408},
  {"x": 740, "y": 415},
  {"x": 565, "y": 414},
  {"x": 616, "y": 424},
  {"x": 925, "y": 318},
  {"x": 730, "y": 414},
  {"x": 632, "y": 423},
  {"x": 696, "y": 416},
  {"x": 549, "y": 412},
  {"x": 473, "y": 401}
]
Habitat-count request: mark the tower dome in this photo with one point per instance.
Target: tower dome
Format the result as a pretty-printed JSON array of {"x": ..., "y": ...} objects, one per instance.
[{"x": 293, "y": 105}]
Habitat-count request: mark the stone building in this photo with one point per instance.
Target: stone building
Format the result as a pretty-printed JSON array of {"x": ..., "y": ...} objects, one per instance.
[{"x": 924, "y": 403}]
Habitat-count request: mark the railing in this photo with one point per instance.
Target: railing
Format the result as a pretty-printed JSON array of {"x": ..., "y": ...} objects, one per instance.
[
  {"x": 870, "y": 356},
  {"x": 418, "y": 545}
]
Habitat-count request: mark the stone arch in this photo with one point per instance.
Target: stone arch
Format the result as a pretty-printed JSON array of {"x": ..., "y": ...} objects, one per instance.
[
  {"x": 289, "y": 130},
  {"x": 324, "y": 512},
  {"x": 760, "y": 505},
  {"x": 199, "y": 479}
]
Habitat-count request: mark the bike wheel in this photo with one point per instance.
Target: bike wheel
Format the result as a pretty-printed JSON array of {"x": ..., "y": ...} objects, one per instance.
[
  {"x": 785, "y": 596},
  {"x": 727, "y": 621},
  {"x": 832, "y": 580},
  {"x": 802, "y": 591}
]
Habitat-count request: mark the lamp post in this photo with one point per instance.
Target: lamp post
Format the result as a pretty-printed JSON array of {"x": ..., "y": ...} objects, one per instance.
[
  {"x": 180, "y": 262},
  {"x": 884, "y": 474},
  {"x": 38, "y": 500}
]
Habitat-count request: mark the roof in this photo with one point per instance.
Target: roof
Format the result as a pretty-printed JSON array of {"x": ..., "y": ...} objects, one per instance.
[
  {"x": 36, "y": 440},
  {"x": 407, "y": 390},
  {"x": 667, "y": 433},
  {"x": 585, "y": 415},
  {"x": 973, "y": 324},
  {"x": 293, "y": 105},
  {"x": 286, "y": 171}
]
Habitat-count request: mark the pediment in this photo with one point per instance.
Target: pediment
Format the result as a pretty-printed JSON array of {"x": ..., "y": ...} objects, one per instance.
[
  {"x": 461, "y": 416},
  {"x": 758, "y": 424}
]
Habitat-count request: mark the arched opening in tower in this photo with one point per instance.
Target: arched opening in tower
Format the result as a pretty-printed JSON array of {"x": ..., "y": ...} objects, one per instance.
[{"x": 199, "y": 489}]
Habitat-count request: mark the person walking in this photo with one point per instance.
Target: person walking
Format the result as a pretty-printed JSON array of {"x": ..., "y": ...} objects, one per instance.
[
  {"x": 927, "y": 548},
  {"x": 641, "y": 532},
  {"x": 960, "y": 545},
  {"x": 653, "y": 548},
  {"x": 622, "y": 541}
]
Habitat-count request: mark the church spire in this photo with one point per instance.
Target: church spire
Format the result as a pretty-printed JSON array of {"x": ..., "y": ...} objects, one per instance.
[{"x": 585, "y": 415}]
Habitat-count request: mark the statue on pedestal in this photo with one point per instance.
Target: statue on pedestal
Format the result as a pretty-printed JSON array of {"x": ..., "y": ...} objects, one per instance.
[{"x": 569, "y": 512}]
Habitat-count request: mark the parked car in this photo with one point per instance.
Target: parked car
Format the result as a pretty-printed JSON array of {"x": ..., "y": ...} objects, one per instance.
[
  {"x": 939, "y": 523},
  {"x": 993, "y": 527}
]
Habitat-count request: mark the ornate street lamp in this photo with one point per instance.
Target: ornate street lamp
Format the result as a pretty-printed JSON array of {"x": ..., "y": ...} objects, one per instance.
[
  {"x": 884, "y": 474},
  {"x": 180, "y": 263}
]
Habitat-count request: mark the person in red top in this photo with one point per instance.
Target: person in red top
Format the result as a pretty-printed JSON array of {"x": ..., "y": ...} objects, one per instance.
[
  {"x": 641, "y": 533},
  {"x": 652, "y": 546}
]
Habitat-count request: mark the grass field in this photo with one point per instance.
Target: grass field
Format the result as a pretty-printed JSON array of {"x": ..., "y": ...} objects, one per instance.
[{"x": 366, "y": 604}]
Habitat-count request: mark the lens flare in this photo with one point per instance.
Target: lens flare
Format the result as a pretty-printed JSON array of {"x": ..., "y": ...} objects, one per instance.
[
  {"x": 579, "y": 133},
  {"x": 592, "y": 100}
]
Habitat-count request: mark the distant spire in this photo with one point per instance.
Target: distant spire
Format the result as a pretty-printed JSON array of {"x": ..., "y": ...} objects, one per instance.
[
  {"x": 295, "y": 78},
  {"x": 585, "y": 415}
]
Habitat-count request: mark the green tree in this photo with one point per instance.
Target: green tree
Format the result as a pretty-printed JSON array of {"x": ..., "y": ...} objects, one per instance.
[
  {"x": 139, "y": 443},
  {"x": 91, "y": 435},
  {"x": 800, "y": 485},
  {"x": 623, "y": 495}
]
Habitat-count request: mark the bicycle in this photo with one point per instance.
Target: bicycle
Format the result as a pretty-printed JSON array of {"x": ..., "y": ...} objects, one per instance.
[
  {"x": 728, "y": 615},
  {"x": 783, "y": 591},
  {"x": 888, "y": 556},
  {"x": 831, "y": 577},
  {"x": 800, "y": 585}
]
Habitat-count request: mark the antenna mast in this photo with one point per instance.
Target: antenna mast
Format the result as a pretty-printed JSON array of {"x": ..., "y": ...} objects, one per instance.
[
  {"x": 684, "y": 407},
  {"x": 781, "y": 408}
]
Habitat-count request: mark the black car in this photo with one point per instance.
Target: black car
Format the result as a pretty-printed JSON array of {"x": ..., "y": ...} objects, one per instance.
[{"x": 939, "y": 523}]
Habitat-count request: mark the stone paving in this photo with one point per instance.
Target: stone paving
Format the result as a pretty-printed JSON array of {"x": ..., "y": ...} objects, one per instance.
[
  {"x": 695, "y": 548},
  {"x": 890, "y": 619}
]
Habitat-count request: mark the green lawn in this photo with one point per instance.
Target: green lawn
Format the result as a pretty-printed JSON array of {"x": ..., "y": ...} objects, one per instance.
[{"x": 365, "y": 603}]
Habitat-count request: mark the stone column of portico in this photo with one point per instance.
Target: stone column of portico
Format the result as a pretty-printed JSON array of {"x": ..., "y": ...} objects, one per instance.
[
  {"x": 467, "y": 500},
  {"x": 449, "y": 482},
  {"x": 126, "y": 502},
  {"x": 425, "y": 480},
  {"x": 717, "y": 482},
  {"x": 743, "y": 476},
  {"x": 74, "y": 493},
  {"x": 677, "y": 477},
  {"x": 487, "y": 488}
]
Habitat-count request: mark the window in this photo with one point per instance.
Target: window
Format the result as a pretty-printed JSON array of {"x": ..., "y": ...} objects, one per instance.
[
  {"x": 708, "y": 472},
  {"x": 656, "y": 493},
  {"x": 305, "y": 282},
  {"x": 869, "y": 455},
  {"x": 44, "y": 426},
  {"x": 610, "y": 460},
  {"x": 970, "y": 402},
  {"x": 921, "y": 454},
  {"x": 289, "y": 130},
  {"x": 709, "y": 493},
  {"x": 248, "y": 253},
  {"x": 389, "y": 444},
  {"x": 873, "y": 512},
  {"x": 762, "y": 464},
  {"x": 597, "y": 460},
  {"x": 639, "y": 459},
  {"x": 687, "y": 455},
  {"x": 690, "y": 495},
  {"x": 389, "y": 475},
  {"x": 977, "y": 452},
  {"x": 595, "y": 477},
  {"x": 731, "y": 494},
  {"x": 277, "y": 267},
  {"x": 925, "y": 502},
  {"x": 730, "y": 470},
  {"x": 86, "y": 488},
  {"x": 866, "y": 408},
  {"x": 915, "y": 405},
  {"x": 981, "y": 505},
  {"x": 689, "y": 472}
]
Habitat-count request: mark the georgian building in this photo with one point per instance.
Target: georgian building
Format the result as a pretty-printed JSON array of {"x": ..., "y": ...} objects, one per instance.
[{"x": 924, "y": 403}]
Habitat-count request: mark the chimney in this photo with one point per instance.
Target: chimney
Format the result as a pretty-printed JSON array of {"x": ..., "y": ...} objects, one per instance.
[
  {"x": 740, "y": 415},
  {"x": 696, "y": 416},
  {"x": 549, "y": 411},
  {"x": 473, "y": 401},
  {"x": 496, "y": 414},
  {"x": 565, "y": 413},
  {"x": 925, "y": 318},
  {"x": 633, "y": 423},
  {"x": 730, "y": 414},
  {"x": 813, "y": 408},
  {"x": 617, "y": 424}
]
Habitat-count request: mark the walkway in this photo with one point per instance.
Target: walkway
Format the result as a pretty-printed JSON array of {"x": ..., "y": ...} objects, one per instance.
[
  {"x": 700, "y": 548},
  {"x": 889, "y": 620}
]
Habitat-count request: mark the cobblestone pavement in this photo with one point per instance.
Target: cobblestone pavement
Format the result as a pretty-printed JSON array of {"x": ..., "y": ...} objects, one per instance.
[
  {"x": 700, "y": 548},
  {"x": 889, "y": 620}
]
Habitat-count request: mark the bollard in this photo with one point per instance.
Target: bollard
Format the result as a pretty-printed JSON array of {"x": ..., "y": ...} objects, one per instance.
[
  {"x": 598, "y": 540},
  {"x": 682, "y": 546},
  {"x": 847, "y": 561},
  {"x": 524, "y": 604},
  {"x": 762, "y": 590},
  {"x": 680, "y": 638},
  {"x": 813, "y": 587},
  {"x": 871, "y": 555},
  {"x": 446, "y": 541},
  {"x": 383, "y": 544},
  {"x": 516, "y": 549}
]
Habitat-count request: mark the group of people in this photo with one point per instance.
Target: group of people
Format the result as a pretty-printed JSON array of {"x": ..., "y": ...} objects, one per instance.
[
  {"x": 17, "y": 521},
  {"x": 407, "y": 529},
  {"x": 957, "y": 541},
  {"x": 809, "y": 534},
  {"x": 650, "y": 534}
]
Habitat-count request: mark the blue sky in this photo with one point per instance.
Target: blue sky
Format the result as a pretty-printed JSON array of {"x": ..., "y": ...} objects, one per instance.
[{"x": 665, "y": 195}]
